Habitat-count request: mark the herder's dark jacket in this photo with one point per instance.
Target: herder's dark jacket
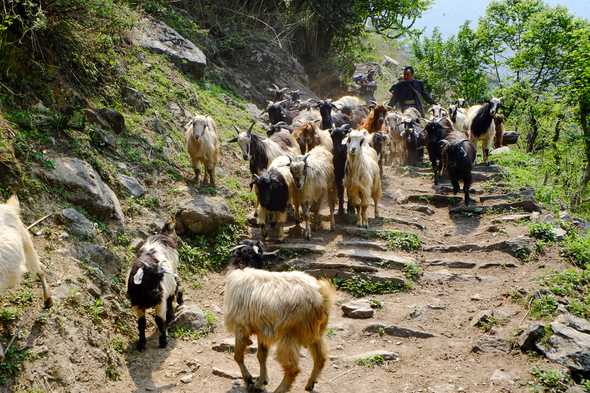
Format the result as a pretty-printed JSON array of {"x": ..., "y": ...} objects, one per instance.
[{"x": 411, "y": 93}]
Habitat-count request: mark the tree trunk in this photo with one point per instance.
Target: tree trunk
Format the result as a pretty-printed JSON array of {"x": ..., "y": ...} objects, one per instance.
[
  {"x": 556, "y": 155},
  {"x": 584, "y": 107},
  {"x": 531, "y": 138}
]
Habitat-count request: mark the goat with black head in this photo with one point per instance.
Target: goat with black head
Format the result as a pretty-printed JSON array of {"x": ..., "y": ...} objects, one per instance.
[
  {"x": 481, "y": 125},
  {"x": 413, "y": 141},
  {"x": 277, "y": 111},
  {"x": 249, "y": 253},
  {"x": 436, "y": 130},
  {"x": 458, "y": 156},
  {"x": 153, "y": 282},
  {"x": 338, "y": 134}
]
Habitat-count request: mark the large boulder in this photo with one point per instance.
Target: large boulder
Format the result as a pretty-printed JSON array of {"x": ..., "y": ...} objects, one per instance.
[
  {"x": 84, "y": 187},
  {"x": 203, "y": 214},
  {"x": 106, "y": 118},
  {"x": 190, "y": 316},
  {"x": 569, "y": 345},
  {"x": 98, "y": 256},
  {"x": 161, "y": 38}
]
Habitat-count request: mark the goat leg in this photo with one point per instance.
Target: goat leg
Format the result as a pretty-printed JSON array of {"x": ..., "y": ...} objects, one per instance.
[
  {"x": 179, "y": 293},
  {"x": 318, "y": 353},
  {"x": 241, "y": 344},
  {"x": 306, "y": 217},
  {"x": 262, "y": 355},
  {"x": 456, "y": 186},
  {"x": 197, "y": 173},
  {"x": 340, "y": 190},
  {"x": 466, "y": 188},
  {"x": 211, "y": 173},
  {"x": 288, "y": 357},
  {"x": 161, "y": 317},
  {"x": 141, "y": 323},
  {"x": 169, "y": 309}
]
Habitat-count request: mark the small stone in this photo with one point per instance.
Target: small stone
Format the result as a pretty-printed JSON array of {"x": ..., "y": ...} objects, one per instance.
[
  {"x": 500, "y": 377},
  {"x": 228, "y": 345},
  {"x": 397, "y": 331},
  {"x": 78, "y": 224},
  {"x": 477, "y": 297},
  {"x": 131, "y": 185},
  {"x": 190, "y": 316},
  {"x": 193, "y": 365},
  {"x": 225, "y": 374},
  {"x": 489, "y": 344},
  {"x": 187, "y": 378},
  {"x": 528, "y": 339},
  {"x": 359, "y": 309}
]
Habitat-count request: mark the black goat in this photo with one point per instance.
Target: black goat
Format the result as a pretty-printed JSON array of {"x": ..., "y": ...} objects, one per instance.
[
  {"x": 436, "y": 130},
  {"x": 413, "y": 142},
  {"x": 458, "y": 156},
  {"x": 339, "y": 160},
  {"x": 272, "y": 191},
  {"x": 249, "y": 253},
  {"x": 379, "y": 141},
  {"x": 277, "y": 112},
  {"x": 153, "y": 282},
  {"x": 330, "y": 119}
]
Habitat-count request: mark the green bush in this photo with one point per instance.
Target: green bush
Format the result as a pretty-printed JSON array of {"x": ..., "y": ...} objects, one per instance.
[
  {"x": 551, "y": 380},
  {"x": 544, "y": 306},
  {"x": 576, "y": 247},
  {"x": 542, "y": 231}
]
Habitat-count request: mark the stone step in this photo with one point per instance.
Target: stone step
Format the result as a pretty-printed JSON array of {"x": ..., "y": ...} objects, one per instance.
[
  {"x": 458, "y": 264},
  {"x": 512, "y": 218},
  {"x": 302, "y": 248},
  {"x": 397, "y": 331},
  {"x": 496, "y": 197},
  {"x": 362, "y": 244},
  {"x": 375, "y": 258},
  {"x": 526, "y": 205},
  {"x": 421, "y": 208},
  {"x": 517, "y": 247},
  {"x": 328, "y": 266},
  {"x": 438, "y": 200}
]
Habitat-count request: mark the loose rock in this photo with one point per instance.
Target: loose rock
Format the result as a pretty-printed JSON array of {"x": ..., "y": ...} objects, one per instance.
[
  {"x": 203, "y": 214},
  {"x": 397, "y": 331},
  {"x": 360, "y": 309},
  {"x": 488, "y": 344},
  {"x": 228, "y": 345},
  {"x": 136, "y": 99},
  {"x": 190, "y": 316},
  {"x": 501, "y": 377},
  {"x": 528, "y": 339}
]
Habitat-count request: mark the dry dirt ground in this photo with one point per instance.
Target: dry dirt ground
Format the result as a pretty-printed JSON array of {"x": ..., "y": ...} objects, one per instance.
[{"x": 442, "y": 302}]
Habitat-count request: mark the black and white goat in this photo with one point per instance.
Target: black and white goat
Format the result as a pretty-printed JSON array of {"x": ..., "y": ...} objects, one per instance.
[
  {"x": 481, "y": 125},
  {"x": 330, "y": 119},
  {"x": 262, "y": 151},
  {"x": 153, "y": 282},
  {"x": 278, "y": 111}
]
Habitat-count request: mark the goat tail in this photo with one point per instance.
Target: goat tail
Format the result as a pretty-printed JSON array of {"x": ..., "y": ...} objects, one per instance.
[{"x": 328, "y": 293}]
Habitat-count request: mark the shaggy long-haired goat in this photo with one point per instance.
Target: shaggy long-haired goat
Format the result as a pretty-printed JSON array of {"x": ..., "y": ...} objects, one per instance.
[
  {"x": 375, "y": 119},
  {"x": 17, "y": 253},
  {"x": 203, "y": 146},
  {"x": 153, "y": 282},
  {"x": 290, "y": 309},
  {"x": 362, "y": 179},
  {"x": 313, "y": 175},
  {"x": 309, "y": 136}
]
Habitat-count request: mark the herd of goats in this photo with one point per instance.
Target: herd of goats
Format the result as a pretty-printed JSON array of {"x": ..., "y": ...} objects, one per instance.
[{"x": 314, "y": 150}]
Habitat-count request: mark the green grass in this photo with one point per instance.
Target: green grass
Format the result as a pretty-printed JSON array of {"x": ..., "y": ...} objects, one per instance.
[
  {"x": 487, "y": 324},
  {"x": 95, "y": 310},
  {"x": 360, "y": 286},
  {"x": 550, "y": 380},
  {"x": 370, "y": 361},
  {"x": 576, "y": 247},
  {"x": 396, "y": 239}
]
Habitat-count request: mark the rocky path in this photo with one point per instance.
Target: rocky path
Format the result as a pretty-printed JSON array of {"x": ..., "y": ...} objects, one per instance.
[{"x": 452, "y": 332}]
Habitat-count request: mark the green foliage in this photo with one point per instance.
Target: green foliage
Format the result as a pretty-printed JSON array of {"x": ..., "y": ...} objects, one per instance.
[
  {"x": 360, "y": 286},
  {"x": 186, "y": 333},
  {"x": 576, "y": 247},
  {"x": 412, "y": 271},
  {"x": 542, "y": 231},
  {"x": 550, "y": 380},
  {"x": 399, "y": 240},
  {"x": 12, "y": 364},
  {"x": 544, "y": 306},
  {"x": 95, "y": 310},
  {"x": 370, "y": 361},
  {"x": 9, "y": 315},
  {"x": 200, "y": 253}
]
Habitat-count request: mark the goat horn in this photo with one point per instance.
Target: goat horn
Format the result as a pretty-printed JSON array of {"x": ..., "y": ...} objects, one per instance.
[
  {"x": 237, "y": 129},
  {"x": 237, "y": 247},
  {"x": 271, "y": 253},
  {"x": 276, "y": 86},
  {"x": 251, "y": 126}
]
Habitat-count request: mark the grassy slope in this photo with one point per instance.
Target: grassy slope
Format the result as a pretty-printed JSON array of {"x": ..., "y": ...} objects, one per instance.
[{"x": 159, "y": 160}]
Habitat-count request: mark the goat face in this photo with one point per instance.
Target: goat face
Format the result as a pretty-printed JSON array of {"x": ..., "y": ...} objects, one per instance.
[
  {"x": 355, "y": 141},
  {"x": 460, "y": 103},
  {"x": 434, "y": 131},
  {"x": 379, "y": 140},
  {"x": 325, "y": 107},
  {"x": 338, "y": 134},
  {"x": 276, "y": 112},
  {"x": 244, "y": 140},
  {"x": 437, "y": 111},
  {"x": 249, "y": 253},
  {"x": 272, "y": 191},
  {"x": 495, "y": 104},
  {"x": 380, "y": 113},
  {"x": 298, "y": 166}
]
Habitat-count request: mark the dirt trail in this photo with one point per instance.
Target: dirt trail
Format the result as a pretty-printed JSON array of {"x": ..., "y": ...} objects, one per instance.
[{"x": 455, "y": 286}]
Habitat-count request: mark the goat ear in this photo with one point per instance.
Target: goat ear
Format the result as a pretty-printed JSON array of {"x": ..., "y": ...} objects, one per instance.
[
  {"x": 138, "y": 276},
  {"x": 13, "y": 201},
  {"x": 169, "y": 227},
  {"x": 344, "y": 141}
]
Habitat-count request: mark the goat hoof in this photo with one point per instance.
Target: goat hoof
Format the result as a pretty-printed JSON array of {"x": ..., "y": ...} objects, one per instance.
[
  {"x": 163, "y": 342},
  {"x": 48, "y": 303},
  {"x": 309, "y": 387}
]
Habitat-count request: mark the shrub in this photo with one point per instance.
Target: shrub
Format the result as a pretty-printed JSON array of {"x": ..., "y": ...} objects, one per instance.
[{"x": 542, "y": 231}]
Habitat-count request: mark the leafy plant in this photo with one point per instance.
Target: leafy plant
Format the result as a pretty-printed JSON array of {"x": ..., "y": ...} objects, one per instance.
[
  {"x": 412, "y": 271},
  {"x": 544, "y": 306},
  {"x": 398, "y": 240},
  {"x": 371, "y": 361},
  {"x": 576, "y": 247},
  {"x": 551, "y": 380},
  {"x": 542, "y": 231},
  {"x": 12, "y": 364}
]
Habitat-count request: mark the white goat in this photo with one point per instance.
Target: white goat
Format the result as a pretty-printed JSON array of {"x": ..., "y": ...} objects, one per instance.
[
  {"x": 458, "y": 116},
  {"x": 437, "y": 111},
  {"x": 313, "y": 175},
  {"x": 393, "y": 125},
  {"x": 362, "y": 179},
  {"x": 17, "y": 253},
  {"x": 202, "y": 144},
  {"x": 288, "y": 308}
]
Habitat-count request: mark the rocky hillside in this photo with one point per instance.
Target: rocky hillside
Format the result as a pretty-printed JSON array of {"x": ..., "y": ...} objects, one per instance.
[{"x": 93, "y": 145}]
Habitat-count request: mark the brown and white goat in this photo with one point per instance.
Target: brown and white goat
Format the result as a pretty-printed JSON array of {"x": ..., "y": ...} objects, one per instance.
[
  {"x": 309, "y": 136},
  {"x": 290, "y": 309},
  {"x": 202, "y": 144}
]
